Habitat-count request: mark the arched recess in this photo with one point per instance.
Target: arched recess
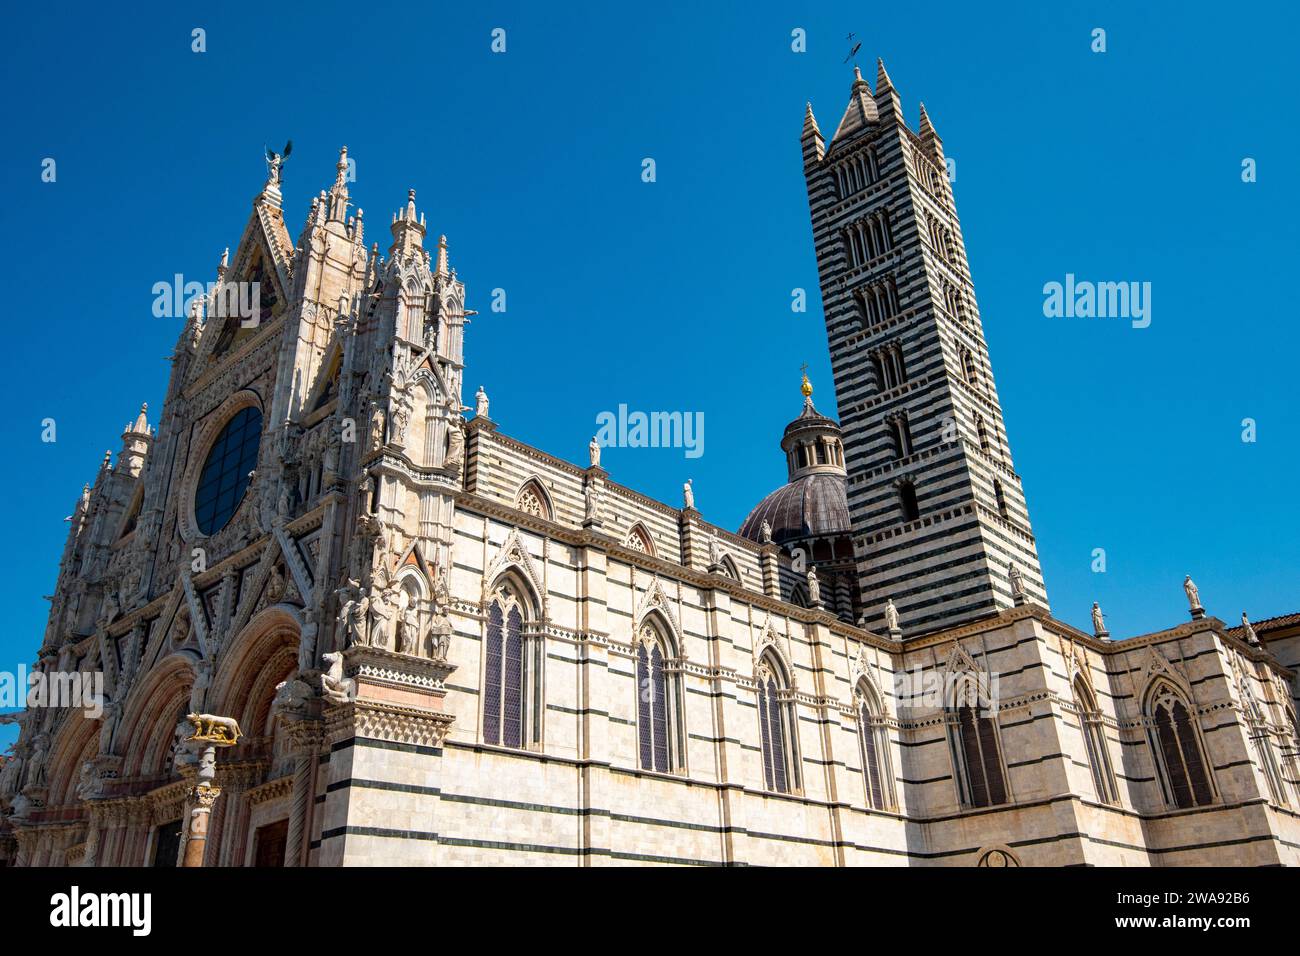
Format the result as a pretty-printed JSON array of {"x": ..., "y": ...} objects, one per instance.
[
  {"x": 154, "y": 708},
  {"x": 428, "y": 429},
  {"x": 260, "y": 656},
  {"x": 76, "y": 742},
  {"x": 534, "y": 499}
]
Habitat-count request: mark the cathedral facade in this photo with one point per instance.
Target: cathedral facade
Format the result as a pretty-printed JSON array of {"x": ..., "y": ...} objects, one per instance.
[{"x": 434, "y": 644}]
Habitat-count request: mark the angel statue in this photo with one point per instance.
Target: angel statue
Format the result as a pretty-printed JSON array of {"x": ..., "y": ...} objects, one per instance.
[{"x": 274, "y": 161}]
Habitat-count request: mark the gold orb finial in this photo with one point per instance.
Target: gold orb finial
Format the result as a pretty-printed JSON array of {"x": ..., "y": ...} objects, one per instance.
[{"x": 806, "y": 387}]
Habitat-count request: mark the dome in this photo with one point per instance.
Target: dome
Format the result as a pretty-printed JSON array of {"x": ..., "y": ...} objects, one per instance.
[{"x": 815, "y": 505}]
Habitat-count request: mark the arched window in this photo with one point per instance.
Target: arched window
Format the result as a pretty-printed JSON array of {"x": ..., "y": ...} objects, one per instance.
[
  {"x": 1000, "y": 496},
  {"x": 969, "y": 369},
  {"x": 1094, "y": 741},
  {"x": 973, "y": 742},
  {"x": 900, "y": 436},
  {"x": 225, "y": 474},
  {"x": 907, "y": 502},
  {"x": 873, "y": 735},
  {"x": 1175, "y": 744},
  {"x": 1262, "y": 740},
  {"x": 660, "y": 737},
  {"x": 533, "y": 500},
  {"x": 777, "y": 728},
  {"x": 511, "y": 672}
]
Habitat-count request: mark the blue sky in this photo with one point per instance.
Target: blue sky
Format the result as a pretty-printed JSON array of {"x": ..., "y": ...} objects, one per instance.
[{"x": 675, "y": 295}]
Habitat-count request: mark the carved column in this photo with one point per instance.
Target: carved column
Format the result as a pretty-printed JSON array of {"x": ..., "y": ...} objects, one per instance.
[
  {"x": 210, "y": 732},
  {"x": 305, "y": 737}
]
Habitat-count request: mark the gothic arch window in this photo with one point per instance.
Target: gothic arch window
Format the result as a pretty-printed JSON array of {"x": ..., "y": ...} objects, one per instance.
[
  {"x": 777, "y": 727},
  {"x": 969, "y": 367},
  {"x": 900, "y": 437},
  {"x": 975, "y": 748},
  {"x": 660, "y": 732},
  {"x": 638, "y": 539},
  {"x": 1094, "y": 741},
  {"x": 907, "y": 503},
  {"x": 532, "y": 498},
  {"x": 512, "y": 669},
  {"x": 729, "y": 567},
  {"x": 873, "y": 736},
  {"x": 799, "y": 596},
  {"x": 1262, "y": 740},
  {"x": 1177, "y": 749},
  {"x": 1000, "y": 497},
  {"x": 227, "y": 469}
]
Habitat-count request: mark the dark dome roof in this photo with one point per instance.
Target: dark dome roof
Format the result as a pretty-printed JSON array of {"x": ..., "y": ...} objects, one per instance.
[{"x": 815, "y": 505}]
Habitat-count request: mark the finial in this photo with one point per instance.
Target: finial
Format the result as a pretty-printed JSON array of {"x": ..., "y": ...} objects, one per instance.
[
  {"x": 857, "y": 74},
  {"x": 806, "y": 387}
]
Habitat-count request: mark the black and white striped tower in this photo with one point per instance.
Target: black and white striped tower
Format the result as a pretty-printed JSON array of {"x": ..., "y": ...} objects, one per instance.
[{"x": 939, "y": 516}]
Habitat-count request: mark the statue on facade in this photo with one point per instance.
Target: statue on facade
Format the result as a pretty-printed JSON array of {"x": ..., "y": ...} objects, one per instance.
[
  {"x": 1193, "y": 594},
  {"x": 376, "y": 427},
  {"x": 1098, "y": 620},
  {"x": 337, "y": 689},
  {"x": 382, "y": 609},
  {"x": 593, "y": 452},
  {"x": 307, "y": 640},
  {"x": 480, "y": 403},
  {"x": 765, "y": 533},
  {"x": 438, "y": 640},
  {"x": 592, "y": 501},
  {"x": 455, "y": 439},
  {"x": 1017, "y": 582},
  {"x": 688, "y": 495},
  {"x": 891, "y": 615},
  {"x": 408, "y": 624},
  {"x": 814, "y": 587},
  {"x": 1248, "y": 631},
  {"x": 108, "y": 722},
  {"x": 274, "y": 161}
]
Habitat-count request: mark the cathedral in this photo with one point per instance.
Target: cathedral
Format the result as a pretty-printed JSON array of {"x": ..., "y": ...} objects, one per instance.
[{"x": 343, "y": 618}]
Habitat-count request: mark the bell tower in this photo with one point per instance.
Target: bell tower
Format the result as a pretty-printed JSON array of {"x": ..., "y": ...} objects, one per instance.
[{"x": 939, "y": 516}]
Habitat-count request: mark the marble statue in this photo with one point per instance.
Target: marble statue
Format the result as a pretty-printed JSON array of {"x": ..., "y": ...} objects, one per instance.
[
  {"x": 814, "y": 587},
  {"x": 1098, "y": 619},
  {"x": 593, "y": 452},
  {"x": 1193, "y": 594},
  {"x": 688, "y": 494},
  {"x": 480, "y": 403},
  {"x": 891, "y": 615}
]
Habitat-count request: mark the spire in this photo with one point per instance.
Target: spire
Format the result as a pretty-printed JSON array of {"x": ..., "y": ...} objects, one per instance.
[
  {"x": 338, "y": 196},
  {"x": 860, "y": 113},
  {"x": 440, "y": 269},
  {"x": 882, "y": 78},
  {"x": 928, "y": 136},
  {"x": 408, "y": 229},
  {"x": 141, "y": 426},
  {"x": 224, "y": 265},
  {"x": 814, "y": 147}
]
